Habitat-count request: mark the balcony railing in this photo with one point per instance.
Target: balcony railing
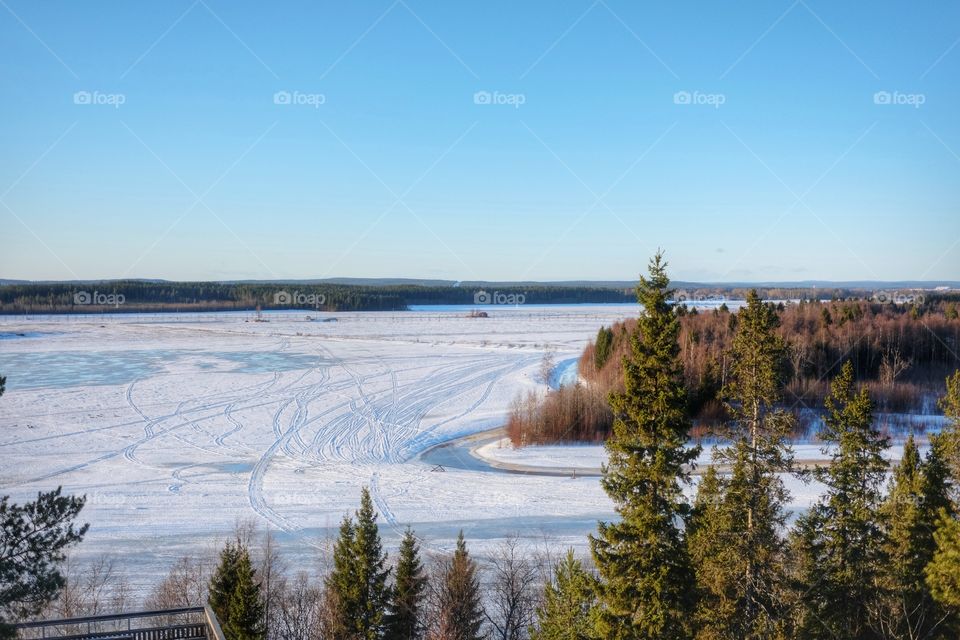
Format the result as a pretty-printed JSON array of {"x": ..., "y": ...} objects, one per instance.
[{"x": 191, "y": 623}]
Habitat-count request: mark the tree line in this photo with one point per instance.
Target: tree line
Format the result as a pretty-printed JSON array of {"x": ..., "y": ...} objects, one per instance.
[
  {"x": 900, "y": 352},
  {"x": 146, "y": 296}
]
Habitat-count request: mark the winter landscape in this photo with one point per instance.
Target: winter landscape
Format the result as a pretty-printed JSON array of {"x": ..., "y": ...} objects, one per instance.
[
  {"x": 423, "y": 320},
  {"x": 175, "y": 430}
]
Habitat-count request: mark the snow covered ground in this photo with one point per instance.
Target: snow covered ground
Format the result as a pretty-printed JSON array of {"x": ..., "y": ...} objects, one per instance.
[
  {"x": 178, "y": 426},
  {"x": 175, "y": 427},
  {"x": 586, "y": 457}
]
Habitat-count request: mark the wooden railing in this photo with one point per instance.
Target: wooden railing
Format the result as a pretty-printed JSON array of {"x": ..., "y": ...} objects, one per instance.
[{"x": 191, "y": 623}]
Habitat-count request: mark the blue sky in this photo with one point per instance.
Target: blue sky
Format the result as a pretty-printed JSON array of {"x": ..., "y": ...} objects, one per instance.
[{"x": 207, "y": 139}]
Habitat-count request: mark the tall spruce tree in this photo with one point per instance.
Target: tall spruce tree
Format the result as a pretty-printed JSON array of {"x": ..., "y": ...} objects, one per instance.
[
  {"x": 943, "y": 572},
  {"x": 405, "y": 620},
  {"x": 359, "y": 577},
  {"x": 459, "y": 611},
  {"x": 246, "y": 606},
  {"x": 918, "y": 491},
  {"x": 646, "y": 580},
  {"x": 743, "y": 585},
  {"x": 712, "y": 555},
  {"x": 842, "y": 538},
  {"x": 223, "y": 583},
  {"x": 950, "y": 405},
  {"x": 565, "y": 612}
]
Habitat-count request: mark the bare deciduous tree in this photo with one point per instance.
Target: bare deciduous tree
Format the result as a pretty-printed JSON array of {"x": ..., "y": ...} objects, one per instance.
[
  {"x": 185, "y": 586},
  {"x": 513, "y": 589},
  {"x": 299, "y": 610},
  {"x": 92, "y": 588}
]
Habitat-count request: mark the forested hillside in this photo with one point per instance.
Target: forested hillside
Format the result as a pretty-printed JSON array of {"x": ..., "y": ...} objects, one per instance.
[{"x": 900, "y": 352}]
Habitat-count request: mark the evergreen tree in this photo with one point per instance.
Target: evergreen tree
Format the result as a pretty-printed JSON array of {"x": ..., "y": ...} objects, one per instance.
[
  {"x": 342, "y": 591},
  {"x": 33, "y": 540},
  {"x": 841, "y": 538},
  {"x": 246, "y": 606},
  {"x": 918, "y": 491},
  {"x": 568, "y": 603},
  {"x": 950, "y": 405},
  {"x": 404, "y": 622},
  {"x": 223, "y": 583},
  {"x": 711, "y": 552},
  {"x": 603, "y": 347},
  {"x": 459, "y": 610},
  {"x": 743, "y": 584},
  {"x": 359, "y": 577},
  {"x": 943, "y": 572},
  {"x": 646, "y": 580}
]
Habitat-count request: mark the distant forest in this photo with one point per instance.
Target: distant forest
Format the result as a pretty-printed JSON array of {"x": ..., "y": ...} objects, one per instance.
[
  {"x": 140, "y": 296},
  {"x": 152, "y": 296},
  {"x": 902, "y": 353}
]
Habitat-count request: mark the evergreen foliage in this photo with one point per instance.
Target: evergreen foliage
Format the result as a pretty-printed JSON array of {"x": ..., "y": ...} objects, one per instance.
[
  {"x": 459, "y": 607},
  {"x": 246, "y": 606},
  {"x": 33, "y": 540},
  {"x": 603, "y": 347},
  {"x": 566, "y": 611},
  {"x": 224, "y": 581},
  {"x": 943, "y": 572},
  {"x": 743, "y": 583},
  {"x": 405, "y": 620},
  {"x": 841, "y": 540},
  {"x": 359, "y": 579},
  {"x": 646, "y": 580}
]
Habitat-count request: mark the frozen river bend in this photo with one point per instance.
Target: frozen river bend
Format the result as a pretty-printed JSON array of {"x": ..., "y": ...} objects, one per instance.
[{"x": 176, "y": 427}]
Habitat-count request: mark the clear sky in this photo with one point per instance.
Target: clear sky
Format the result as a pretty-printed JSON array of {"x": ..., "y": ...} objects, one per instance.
[{"x": 216, "y": 139}]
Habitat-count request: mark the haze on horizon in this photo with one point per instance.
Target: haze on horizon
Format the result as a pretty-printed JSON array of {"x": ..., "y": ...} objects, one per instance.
[{"x": 203, "y": 140}]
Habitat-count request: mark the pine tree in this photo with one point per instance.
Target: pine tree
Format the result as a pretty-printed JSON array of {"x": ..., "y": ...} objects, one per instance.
[
  {"x": 603, "y": 346},
  {"x": 743, "y": 585},
  {"x": 223, "y": 583},
  {"x": 842, "y": 537},
  {"x": 359, "y": 579},
  {"x": 404, "y": 622},
  {"x": 568, "y": 603},
  {"x": 646, "y": 581},
  {"x": 246, "y": 607},
  {"x": 708, "y": 540},
  {"x": 918, "y": 491},
  {"x": 943, "y": 572},
  {"x": 33, "y": 539},
  {"x": 950, "y": 405},
  {"x": 459, "y": 610}
]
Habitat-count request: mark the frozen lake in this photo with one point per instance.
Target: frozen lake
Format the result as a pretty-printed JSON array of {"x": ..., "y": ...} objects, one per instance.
[{"x": 177, "y": 427}]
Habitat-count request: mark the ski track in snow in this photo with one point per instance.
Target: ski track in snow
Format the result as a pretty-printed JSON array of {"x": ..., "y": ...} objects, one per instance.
[{"x": 288, "y": 434}]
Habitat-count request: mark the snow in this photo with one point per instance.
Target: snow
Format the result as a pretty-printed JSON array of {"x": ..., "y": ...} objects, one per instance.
[
  {"x": 177, "y": 426},
  {"x": 589, "y": 457},
  {"x": 567, "y": 456}
]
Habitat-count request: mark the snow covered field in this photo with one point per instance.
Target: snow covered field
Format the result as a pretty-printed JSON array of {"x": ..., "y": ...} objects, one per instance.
[
  {"x": 176, "y": 427},
  {"x": 585, "y": 457}
]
